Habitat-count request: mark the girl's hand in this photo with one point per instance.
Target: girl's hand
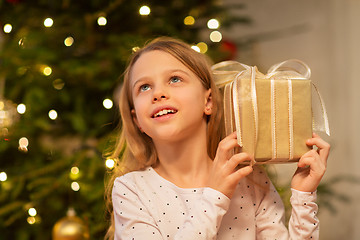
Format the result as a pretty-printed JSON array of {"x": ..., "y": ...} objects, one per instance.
[
  {"x": 224, "y": 174},
  {"x": 311, "y": 166}
]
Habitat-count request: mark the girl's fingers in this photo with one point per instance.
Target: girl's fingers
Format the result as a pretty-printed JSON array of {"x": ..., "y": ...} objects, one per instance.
[
  {"x": 241, "y": 173},
  {"x": 323, "y": 147},
  {"x": 237, "y": 159},
  {"x": 313, "y": 160},
  {"x": 225, "y": 146}
]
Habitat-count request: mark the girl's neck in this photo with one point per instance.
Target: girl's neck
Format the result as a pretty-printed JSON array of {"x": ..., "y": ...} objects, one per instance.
[{"x": 184, "y": 163}]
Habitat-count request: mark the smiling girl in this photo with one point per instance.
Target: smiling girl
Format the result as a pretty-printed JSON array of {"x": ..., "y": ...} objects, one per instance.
[{"x": 176, "y": 178}]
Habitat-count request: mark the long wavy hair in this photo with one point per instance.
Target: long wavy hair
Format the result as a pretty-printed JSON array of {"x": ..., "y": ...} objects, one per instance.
[{"x": 134, "y": 150}]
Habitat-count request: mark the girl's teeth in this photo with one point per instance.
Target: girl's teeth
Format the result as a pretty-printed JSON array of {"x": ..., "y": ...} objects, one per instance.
[{"x": 163, "y": 112}]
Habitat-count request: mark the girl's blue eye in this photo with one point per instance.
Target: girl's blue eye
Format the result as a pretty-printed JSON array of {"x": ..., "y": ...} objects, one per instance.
[
  {"x": 144, "y": 87},
  {"x": 175, "y": 79}
]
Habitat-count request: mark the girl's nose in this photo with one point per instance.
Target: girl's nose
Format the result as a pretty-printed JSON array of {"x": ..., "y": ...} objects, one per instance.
[
  {"x": 159, "y": 97},
  {"x": 159, "y": 93}
]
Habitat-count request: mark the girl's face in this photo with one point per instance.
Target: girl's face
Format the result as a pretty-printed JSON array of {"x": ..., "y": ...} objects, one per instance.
[{"x": 170, "y": 103}]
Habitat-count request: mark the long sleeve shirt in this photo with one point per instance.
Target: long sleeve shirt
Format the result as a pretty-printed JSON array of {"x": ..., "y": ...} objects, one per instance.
[{"x": 148, "y": 207}]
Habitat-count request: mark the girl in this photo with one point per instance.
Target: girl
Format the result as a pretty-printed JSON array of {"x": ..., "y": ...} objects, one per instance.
[{"x": 176, "y": 179}]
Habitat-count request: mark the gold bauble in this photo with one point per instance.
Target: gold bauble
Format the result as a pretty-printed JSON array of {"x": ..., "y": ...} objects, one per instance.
[
  {"x": 8, "y": 113},
  {"x": 70, "y": 227}
]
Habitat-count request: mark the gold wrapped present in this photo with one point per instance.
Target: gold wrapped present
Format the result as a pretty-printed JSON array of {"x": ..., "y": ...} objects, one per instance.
[{"x": 272, "y": 114}]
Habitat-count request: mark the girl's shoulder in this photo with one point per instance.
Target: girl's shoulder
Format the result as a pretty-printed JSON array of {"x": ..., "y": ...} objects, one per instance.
[{"x": 135, "y": 176}]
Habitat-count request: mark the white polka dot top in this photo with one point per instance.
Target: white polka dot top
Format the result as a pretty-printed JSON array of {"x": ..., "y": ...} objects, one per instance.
[{"x": 147, "y": 206}]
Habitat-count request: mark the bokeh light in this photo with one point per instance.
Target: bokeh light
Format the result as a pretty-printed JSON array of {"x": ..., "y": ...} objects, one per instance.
[
  {"x": 189, "y": 20},
  {"x": 202, "y": 46},
  {"x": 102, "y": 21},
  {"x": 215, "y": 36},
  {"x": 32, "y": 212},
  {"x": 21, "y": 108},
  {"x": 53, "y": 114},
  {"x": 213, "y": 24},
  {"x": 69, "y": 41},
  {"x": 75, "y": 186},
  {"x": 7, "y": 28},
  {"x": 107, "y": 103},
  {"x": 48, "y": 22},
  {"x": 3, "y": 176},
  {"x": 110, "y": 163},
  {"x": 144, "y": 10}
]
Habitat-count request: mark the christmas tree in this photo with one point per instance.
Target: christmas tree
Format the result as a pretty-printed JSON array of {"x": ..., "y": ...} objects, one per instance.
[{"x": 60, "y": 64}]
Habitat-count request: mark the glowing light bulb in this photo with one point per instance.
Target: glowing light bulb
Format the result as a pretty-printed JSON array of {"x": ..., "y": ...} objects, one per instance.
[
  {"x": 110, "y": 163},
  {"x": 135, "y": 49},
  {"x": 21, "y": 108},
  {"x": 101, "y": 21},
  {"x": 23, "y": 144},
  {"x": 53, "y": 114},
  {"x": 213, "y": 24},
  {"x": 32, "y": 212},
  {"x": 189, "y": 20},
  {"x": 7, "y": 28},
  {"x": 75, "y": 170},
  {"x": 22, "y": 42},
  {"x": 31, "y": 220},
  {"x": 144, "y": 10},
  {"x": 3, "y": 176},
  {"x": 75, "y": 186},
  {"x": 69, "y": 41},
  {"x": 107, "y": 103},
  {"x": 196, "y": 48},
  {"x": 47, "y": 70},
  {"x": 74, "y": 173},
  {"x": 48, "y": 22},
  {"x": 215, "y": 36}
]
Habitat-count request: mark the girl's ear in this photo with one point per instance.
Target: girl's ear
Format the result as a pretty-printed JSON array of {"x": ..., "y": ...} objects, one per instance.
[
  {"x": 208, "y": 103},
  {"x": 133, "y": 114}
]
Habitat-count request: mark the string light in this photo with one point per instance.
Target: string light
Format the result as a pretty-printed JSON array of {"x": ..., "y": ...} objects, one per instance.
[
  {"x": 23, "y": 144},
  {"x": 101, "y": 21},
  {"x": 196, "y": 48},
  {"x": 69, "y": 41},
  {"x": 48, "y": 22},
  {"x": 107, "y": 103},
  {"x": 215, "y": 36},
  {"x": 46, "y": 70},
  {"x": 3, "y": 176},
  {"x": 31, "y": 220},
  {"x": 58, "y": 84},
  {"x": 22, "y": 42},
  {"x": 110, "y": 163},
  {"x": 75, "y": 170},
  {"x": 21, "y": 108},
  {"x": 135, "y": 49},
  {"x": 32, "y": 212},
  {"x": 7, "y": 28},
  {"x": 213, "y": 24},
  {"x": 202, "y": 46},
  {"x": 53, "y": 114},
  {"x": 189, "y": 20},
  {"x": 74, "y": 173},
  {"x": 75, "y": 186},
  {"x": 144, "y": 11}
]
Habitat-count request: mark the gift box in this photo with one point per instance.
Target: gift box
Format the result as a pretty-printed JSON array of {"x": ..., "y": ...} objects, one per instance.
[{"x": 272, "y": 114}]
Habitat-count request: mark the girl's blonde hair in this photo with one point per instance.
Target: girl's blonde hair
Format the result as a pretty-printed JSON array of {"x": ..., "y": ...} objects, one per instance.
[{"x": 134, "y": 149}]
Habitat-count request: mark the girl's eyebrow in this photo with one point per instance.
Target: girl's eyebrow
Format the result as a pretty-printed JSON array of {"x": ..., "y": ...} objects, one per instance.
[{"x": 167, "y": 72}]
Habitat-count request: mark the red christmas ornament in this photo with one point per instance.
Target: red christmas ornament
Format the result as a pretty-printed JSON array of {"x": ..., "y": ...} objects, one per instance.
[{"x": 229, "y": 49}]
